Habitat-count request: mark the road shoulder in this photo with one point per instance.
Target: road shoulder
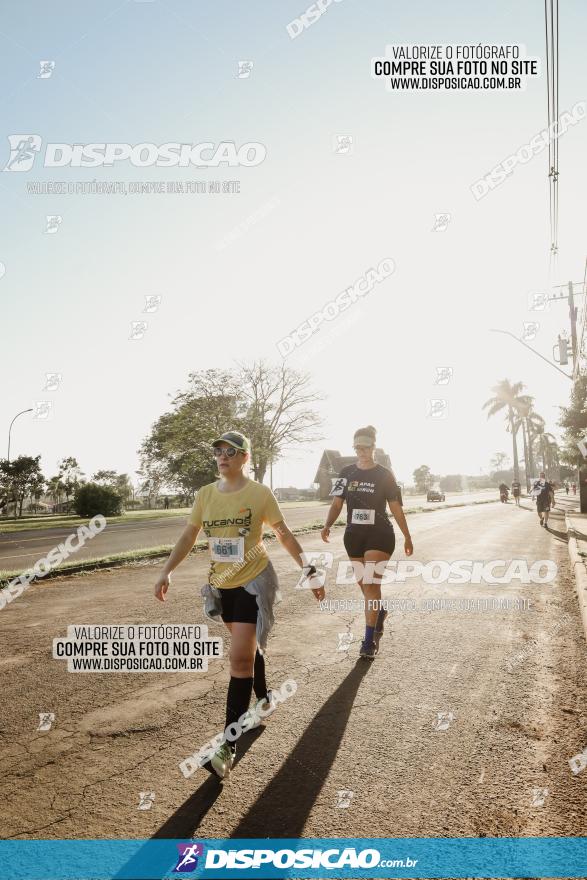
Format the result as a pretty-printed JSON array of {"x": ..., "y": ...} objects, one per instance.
[{"x": 576, "y": 524}]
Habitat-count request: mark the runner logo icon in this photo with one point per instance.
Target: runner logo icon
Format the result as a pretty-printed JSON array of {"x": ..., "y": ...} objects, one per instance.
[
  {"x": 187, "y": 860},
  {"x": 23, "y": 150}
]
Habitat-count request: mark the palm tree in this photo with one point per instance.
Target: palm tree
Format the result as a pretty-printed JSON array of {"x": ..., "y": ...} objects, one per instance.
[
  {"x": 519, "y": 423},
  {"x": 532, "y": 423},
  {"x": 55, "y": 489},
  {"x": 546, "y": 448},
  {"x": 507, "y": 397},
  {"x": 550, "y": 453}
]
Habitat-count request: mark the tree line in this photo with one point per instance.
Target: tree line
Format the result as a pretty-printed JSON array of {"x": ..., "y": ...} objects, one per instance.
[{"x": 271, "y": 405}]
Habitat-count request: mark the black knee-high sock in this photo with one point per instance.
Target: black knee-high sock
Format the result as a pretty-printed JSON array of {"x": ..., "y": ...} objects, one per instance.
[
  {"x": 238, "y": 698},
  {"x": 259, "y": 681}
]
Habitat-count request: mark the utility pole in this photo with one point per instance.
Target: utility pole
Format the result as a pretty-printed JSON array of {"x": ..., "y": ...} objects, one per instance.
[{"x": 573, "y": 317}]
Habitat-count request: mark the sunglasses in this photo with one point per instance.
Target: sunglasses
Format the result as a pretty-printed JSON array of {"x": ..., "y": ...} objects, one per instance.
[
  {"x": 229, "y": 451},
  {"x": 358, "y": 448}
]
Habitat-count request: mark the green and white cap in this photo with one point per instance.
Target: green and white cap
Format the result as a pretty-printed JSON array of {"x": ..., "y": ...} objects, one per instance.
[{"x": 236, "y": 439}]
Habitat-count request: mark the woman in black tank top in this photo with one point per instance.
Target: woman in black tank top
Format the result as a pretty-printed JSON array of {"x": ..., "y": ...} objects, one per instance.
[{"x": 368, "y": 489}]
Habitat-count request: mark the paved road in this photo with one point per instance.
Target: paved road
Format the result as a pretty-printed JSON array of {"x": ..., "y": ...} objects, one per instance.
[
  {"x": 498, "y": 768},
  {"x": 22, "y": 549}
]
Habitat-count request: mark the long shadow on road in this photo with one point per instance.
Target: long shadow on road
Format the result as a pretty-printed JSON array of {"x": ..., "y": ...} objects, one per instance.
[
  {"x": 282, "y": 808},
  {"x": 184, "y": 822}
]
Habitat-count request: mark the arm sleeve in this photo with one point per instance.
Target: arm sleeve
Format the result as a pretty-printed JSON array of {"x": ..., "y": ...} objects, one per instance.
[
  {"x": 339, "y": 490},
  {"x": 272, "y": 512},
  {"x": 393, "y": 491},
  {"x": 195, "y": 517}
]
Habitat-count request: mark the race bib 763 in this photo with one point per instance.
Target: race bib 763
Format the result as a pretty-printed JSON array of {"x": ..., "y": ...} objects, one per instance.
[{"x": 363, "y": 517}]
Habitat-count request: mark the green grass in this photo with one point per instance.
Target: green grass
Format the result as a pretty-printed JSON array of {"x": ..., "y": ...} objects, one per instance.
[
  {"x": 50, "y": 521},
  {"x": 113, "y": 559},
  {"x": 312, "y": 503},
  {"x": 38, "y": 523},
  {"x": 132, "y": 557}
]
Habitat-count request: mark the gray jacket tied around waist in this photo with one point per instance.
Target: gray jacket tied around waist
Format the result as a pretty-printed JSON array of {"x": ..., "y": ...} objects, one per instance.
[{"x": 265, "y": 589}]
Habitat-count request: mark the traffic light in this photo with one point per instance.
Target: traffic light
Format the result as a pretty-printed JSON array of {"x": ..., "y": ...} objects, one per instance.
[{"x": 564, "y": 350}]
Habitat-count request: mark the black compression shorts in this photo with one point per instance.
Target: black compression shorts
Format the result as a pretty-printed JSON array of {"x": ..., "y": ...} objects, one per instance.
[
  {"x": 359, "y": 539},
  {"x": 238, "y": 606}
]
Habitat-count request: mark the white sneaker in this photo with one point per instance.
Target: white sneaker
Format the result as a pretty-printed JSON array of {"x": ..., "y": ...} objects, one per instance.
[
  {"x": 268, "y": 707},
  {"x": 223, "y": 760}
]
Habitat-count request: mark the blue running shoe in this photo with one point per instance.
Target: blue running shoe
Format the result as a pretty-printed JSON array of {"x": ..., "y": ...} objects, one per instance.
[{"x": 368, "y": 650}]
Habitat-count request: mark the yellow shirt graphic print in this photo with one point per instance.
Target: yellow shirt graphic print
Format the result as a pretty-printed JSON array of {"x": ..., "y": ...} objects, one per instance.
[{"x": 233, "y": 523}]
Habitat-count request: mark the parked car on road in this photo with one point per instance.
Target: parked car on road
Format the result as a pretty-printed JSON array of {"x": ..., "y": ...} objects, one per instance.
[{"x": 435, "y": 495}]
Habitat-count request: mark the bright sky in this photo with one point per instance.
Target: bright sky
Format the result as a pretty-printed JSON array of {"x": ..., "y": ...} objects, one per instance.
[{"x": 158, "y": 72}]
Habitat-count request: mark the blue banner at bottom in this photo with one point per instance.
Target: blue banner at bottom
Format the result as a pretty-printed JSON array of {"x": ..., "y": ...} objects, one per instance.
[{"x": 408, "y": 857}]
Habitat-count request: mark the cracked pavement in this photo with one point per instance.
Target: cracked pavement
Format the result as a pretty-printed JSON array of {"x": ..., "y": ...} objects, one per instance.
[{"x": 368, "y": 728}]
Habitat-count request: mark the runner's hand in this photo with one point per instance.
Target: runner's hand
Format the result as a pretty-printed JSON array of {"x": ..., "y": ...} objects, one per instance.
[
  {"x": 324, "y": 534},
  {"x": 408, "y": 547},
  {"x": 161, "y": 586},
  {"x": 319, "y": 593}
]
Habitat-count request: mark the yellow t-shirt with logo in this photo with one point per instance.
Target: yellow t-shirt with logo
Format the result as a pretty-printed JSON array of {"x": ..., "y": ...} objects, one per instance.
[{"x": 233, "y": 524}]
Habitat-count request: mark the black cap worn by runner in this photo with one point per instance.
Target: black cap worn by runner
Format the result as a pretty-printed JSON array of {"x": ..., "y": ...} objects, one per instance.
[{"x": 235, "y": 439}]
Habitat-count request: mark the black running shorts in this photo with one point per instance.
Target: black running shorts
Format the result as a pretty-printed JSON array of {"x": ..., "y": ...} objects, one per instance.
[
  {"x": 238, "y": 606},
  {"x": 359, "y": 539}
]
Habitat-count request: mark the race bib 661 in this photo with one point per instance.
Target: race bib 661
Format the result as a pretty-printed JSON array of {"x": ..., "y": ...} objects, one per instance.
[{"x": 227, "y": 549}]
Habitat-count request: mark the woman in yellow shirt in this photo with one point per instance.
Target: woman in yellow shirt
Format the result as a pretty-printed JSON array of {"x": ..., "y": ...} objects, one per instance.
[{"x": 232, "y": 512}]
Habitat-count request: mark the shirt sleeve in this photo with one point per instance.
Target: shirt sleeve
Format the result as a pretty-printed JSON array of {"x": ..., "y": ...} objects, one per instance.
[
  {"x": 392, "y": 490},
  {"x": 272, "y": 512},
  {"x": 339, "y": 489},
  {"x": 196, "y": 516}
]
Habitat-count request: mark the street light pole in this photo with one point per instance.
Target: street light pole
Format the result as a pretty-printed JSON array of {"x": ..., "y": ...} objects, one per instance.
[
  {"x": 529, "y": 347},
  {"x": 10, "y": 428}
]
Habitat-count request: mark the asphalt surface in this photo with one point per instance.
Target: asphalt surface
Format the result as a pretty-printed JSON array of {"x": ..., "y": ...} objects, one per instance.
[
  {"x": 20, "y": 550},
  {"x": 495, "y": 763}
]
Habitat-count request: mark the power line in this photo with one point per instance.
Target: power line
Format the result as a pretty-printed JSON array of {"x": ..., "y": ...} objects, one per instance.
[{"x": 552, "y": 70}]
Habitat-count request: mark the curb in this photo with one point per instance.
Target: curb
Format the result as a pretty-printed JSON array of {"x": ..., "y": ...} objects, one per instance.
[{"x": 579, "y": 570}]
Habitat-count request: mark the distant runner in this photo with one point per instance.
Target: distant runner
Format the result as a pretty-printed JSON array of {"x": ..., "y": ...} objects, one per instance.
[
  {"x": 367, "y": 488},
  {"x": 543, "y": 492},
  {"x": 516, "y": 488}
]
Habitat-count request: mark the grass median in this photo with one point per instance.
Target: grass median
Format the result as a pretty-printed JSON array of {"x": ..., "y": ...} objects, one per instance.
[
  {"x": 42, "y": 522},
  {"x": 61, "y": 521},
  {"x": 142, "y": 556},
  {"x": 146, "y": 555}
]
